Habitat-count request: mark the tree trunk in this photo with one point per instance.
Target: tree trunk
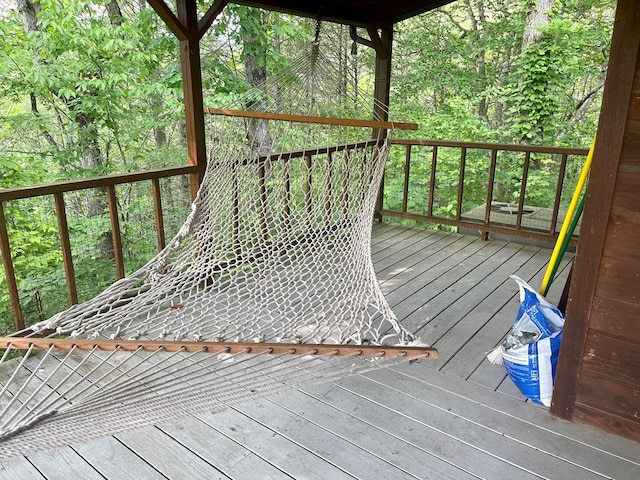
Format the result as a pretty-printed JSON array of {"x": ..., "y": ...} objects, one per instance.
[
  {"x": 114, "y": 12},
  {"x": 536, "y": 21},
  {"x": 481, "y": 60},
  {"x": 256, "y": 74},
  {"x": 87, "y": 141},
  {"x": 29, "y": 12}
]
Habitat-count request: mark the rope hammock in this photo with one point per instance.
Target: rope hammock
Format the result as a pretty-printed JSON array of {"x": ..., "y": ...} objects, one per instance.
[{"x": 268, "y": 285}]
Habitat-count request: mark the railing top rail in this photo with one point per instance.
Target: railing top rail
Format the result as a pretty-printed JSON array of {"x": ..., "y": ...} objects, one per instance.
[
  {"x": 17, "y": 193},
  {"x": 492, "y": 146}
]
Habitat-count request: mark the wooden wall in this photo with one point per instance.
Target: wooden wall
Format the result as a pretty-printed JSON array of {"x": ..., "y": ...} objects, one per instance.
[{"x": 598, "y": 379}]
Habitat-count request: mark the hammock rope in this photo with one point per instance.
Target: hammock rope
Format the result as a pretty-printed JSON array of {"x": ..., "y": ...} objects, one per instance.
[{"x": 269, "y": 284}]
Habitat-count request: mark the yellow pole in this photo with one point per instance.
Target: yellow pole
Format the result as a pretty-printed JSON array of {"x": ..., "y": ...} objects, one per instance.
[{"x": 567, "y": 220}]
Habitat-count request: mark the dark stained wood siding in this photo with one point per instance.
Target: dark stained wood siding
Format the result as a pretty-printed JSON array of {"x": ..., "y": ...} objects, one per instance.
[{"x": 598, "y": 379}]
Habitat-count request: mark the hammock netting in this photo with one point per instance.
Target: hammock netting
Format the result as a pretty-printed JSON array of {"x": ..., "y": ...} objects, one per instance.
[{"x": 276, "y": 250}]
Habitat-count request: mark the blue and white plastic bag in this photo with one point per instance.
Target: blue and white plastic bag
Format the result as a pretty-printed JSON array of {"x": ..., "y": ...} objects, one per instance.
[{"x": 530, "y": 351}]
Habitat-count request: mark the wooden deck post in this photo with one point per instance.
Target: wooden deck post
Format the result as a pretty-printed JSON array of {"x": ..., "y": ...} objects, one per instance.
[
  {"x": 383, "y": 45},
  {"x": 192, "y": 89},
  {"x": 189, "y": 30}
]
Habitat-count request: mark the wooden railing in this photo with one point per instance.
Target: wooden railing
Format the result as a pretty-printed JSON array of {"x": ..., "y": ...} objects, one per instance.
[
  {"x": 471, "y": 186},
  {"x": 57, "y": 191},
  {"x": 496, "y": 188}
]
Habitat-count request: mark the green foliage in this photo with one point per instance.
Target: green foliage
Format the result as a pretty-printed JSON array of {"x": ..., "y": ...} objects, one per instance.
[
  {"x": 82, "y": 96},
  {"x": 534, "y": 99}
]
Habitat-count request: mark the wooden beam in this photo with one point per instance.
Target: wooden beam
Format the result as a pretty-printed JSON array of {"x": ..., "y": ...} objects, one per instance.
[
  {"x": 24, "y": 343},
  {"x": 378, "y": 45},
  {"x": 348, "y": 122},
  {"x": 205, "y": 22},
  {"x": 169, "y": 18},
  {"x": 192, "y": 89},
  {"x": 381, "y": 96}
]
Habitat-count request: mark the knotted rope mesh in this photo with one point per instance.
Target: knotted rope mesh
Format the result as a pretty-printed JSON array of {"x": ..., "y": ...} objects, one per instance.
[{"x": 276, "y": 249}]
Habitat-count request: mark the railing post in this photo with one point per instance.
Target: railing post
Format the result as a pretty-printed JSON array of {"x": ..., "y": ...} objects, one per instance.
[
  {"x": 463, "y": 163},
  {"x": 523, "y": 189},
  {"x": 556, "y": 203},
  {"x": 157, "y": 209},
  {"x": 432, "y": 180},
  {"x": 405, "y": 191},
  {"x": 262, "y": 214},
  {"x": 65, "y": 245},
  {"x": 492, "y": 179},
  {"x": 328, "y": 207},
  {"x": 12, "y": 285},
  {"x": 115, "y": 231}
]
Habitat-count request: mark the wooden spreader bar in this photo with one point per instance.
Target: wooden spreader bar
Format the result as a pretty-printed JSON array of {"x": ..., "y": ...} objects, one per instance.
[
  {"x": 346, "y": 122},
  {"x": 24, "y": 343}
]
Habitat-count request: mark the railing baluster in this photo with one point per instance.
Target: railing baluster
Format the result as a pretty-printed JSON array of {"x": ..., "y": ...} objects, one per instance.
[
  {"x": 235, "y": 207},
  {"x": 463, "y": 163},
  {"x": 286, "y": 172},
  {"x": 12, "y": 285},
  {"x": 157, "y": 209},
  {"x": 262, "y": 214},
  {"x": 523, "y": 189},
  {"x": 556, "y": 203},
  {"x": 477, "y": 223},
  {"x": 65, "y": 245},
  {"x": 432, "y": 180},
  {"x": 345, "y": 187},
  {"x": 327, "y": 199},
  {"x": 492, "y": 179},
  {"x": 115, "y": 231},
  {"x": 380, "y": 199},
  {"x": 57, "y": 190},
  {"x": 308, "y": 201},
  {"x": 405, "y": 191}
]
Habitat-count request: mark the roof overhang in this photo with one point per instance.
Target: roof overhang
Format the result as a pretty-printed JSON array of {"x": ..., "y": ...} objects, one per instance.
[{"x": 353, "y": 12}]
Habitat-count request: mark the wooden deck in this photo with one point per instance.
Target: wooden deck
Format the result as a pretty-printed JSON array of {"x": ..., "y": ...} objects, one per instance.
[{"x": 457, "y": 417}]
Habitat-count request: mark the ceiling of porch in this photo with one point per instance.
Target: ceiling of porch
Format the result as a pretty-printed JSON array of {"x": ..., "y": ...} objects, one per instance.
[{"x": 355, "y": 12}]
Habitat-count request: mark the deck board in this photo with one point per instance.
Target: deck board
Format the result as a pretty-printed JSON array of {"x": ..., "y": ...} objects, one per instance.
[
  {"x": 615, "y": 456},
  {"x": 229, "y": 456},
  {"x": 112, "y": 459},
  {"x": 396, "y": 451},
  {"x": 19, "y": 468},
  {"x": 444, "y": 443},
  {"x": 331, "y": 448},
  {"x": 168, "y": 457},
  {"x": 285, "y": 455},
  {"x": 458, "y": 417},
  {"x": 482, "y": 426},
  {"x": 63, "y": 463}
]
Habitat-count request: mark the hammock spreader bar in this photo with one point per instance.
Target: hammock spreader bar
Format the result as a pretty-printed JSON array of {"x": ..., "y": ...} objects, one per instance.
[
  {"x": 346, "y": 122},
  {"x": 24, "y": 343}
]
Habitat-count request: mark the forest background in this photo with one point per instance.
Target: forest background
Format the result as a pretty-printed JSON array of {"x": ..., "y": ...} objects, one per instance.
[{"x": 93, "y": 87}]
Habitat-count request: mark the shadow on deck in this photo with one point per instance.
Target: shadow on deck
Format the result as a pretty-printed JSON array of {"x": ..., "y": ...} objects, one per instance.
[{"x": 457, "y": 417}]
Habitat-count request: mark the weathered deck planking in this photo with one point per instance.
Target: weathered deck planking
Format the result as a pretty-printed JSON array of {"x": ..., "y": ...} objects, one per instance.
[
  {"x": 112, "y": 459},
  {"x": 455, "y": 418}
]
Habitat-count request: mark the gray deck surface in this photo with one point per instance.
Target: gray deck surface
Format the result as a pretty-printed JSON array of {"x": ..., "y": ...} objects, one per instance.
[{"x": 457, "y": 417}]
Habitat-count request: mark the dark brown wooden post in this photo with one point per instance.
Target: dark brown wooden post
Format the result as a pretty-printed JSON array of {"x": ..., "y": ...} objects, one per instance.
[
  {"x": 382, "y": 44},
  {"x": 192, "y": 89},
  {"x": 188, "y": 30},
  {"x": 12, "y": 284},
  {"x": 65, "y": 246}
]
